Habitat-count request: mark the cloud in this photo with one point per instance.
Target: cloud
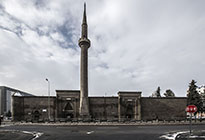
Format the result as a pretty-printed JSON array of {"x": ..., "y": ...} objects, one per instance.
[{"x": 135, "y": 45}]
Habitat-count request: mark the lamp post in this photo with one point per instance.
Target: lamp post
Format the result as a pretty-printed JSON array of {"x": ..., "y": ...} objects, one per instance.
[{"x": 48, "y": 99}]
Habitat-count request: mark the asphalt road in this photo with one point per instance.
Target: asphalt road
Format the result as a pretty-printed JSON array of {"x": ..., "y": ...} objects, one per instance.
[{"x": 95, "y": 132}]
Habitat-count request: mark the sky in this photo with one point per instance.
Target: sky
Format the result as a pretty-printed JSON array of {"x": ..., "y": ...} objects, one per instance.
[{"x": 136, "y": 45}]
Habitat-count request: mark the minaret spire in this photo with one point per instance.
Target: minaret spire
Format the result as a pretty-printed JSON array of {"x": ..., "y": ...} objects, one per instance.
[
  {"x": 84, "y": 24},
  {"x": 84, "y": 15}
]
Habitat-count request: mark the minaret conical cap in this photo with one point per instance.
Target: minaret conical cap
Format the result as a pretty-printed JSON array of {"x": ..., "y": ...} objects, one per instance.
[
  {"x": 84, "y": 15},
  {"x": 84, "y": 33}
]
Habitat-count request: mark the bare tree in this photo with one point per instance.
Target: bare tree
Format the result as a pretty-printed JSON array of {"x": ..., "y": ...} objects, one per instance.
[{"x": 157, "y": 93}]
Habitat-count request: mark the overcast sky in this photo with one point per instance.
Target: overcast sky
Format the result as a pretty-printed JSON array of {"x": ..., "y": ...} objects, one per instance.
[{"x": 136, "y": 45}]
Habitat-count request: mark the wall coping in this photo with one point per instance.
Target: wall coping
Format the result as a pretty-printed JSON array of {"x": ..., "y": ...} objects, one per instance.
[
  {"x": 67, "y": 90},
  {"x": 34, "y": 96},
  {"x": 129, "y": 92},
  {"x": 164, "y": 98},
  {"x": 103, "y": 97}
]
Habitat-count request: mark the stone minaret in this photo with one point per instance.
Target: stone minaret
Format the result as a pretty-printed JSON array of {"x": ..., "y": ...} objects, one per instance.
[{"x": 84, "y": 44}]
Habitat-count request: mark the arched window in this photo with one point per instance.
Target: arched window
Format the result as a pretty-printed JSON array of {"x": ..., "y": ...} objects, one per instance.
[
  {"x": 68, "y": 106},
  {"x": 36, "y": 115}
]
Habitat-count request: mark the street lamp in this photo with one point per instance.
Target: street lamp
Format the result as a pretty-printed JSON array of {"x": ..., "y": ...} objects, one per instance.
[{"x": 49, "y": 117}]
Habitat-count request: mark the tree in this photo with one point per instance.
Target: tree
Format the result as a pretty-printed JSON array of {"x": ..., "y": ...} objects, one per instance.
[
  {"x": 193, "y": 96},
  {"x": 156, "y": 93},
  {"x": 203, "y": 100},
  {"x": 201, "y": 91},
  {"x": 169, "y": 93}
]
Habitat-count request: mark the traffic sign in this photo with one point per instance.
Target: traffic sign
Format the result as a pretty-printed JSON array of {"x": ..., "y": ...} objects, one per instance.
[{"x": 191, "y": 109}]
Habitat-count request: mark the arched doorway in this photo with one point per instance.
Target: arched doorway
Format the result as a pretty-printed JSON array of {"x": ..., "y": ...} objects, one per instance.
[
  {"x": 68, "y": 110},
  {"x": 36, "y": 115},
  {"x": 129, "y": 112}
]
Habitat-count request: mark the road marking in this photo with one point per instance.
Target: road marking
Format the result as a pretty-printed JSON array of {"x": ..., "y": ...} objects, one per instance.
[
  {"x": 172, "y": 136},
  {"x": 35, "y": 134},
  {"x": 90, "y": 132}
]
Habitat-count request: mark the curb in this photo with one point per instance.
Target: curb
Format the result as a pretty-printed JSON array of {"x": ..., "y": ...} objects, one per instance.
[{"x": 105, "y": 124}]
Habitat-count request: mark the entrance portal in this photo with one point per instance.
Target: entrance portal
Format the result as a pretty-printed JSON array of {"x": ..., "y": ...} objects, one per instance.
[
  {"x": 68, "y": 111},
  {"x": 129, "y": 112}
]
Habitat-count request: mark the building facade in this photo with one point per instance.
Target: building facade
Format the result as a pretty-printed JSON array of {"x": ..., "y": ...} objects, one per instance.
[
  {"x": 77, "y": 105},
  {"x": 125, "y": 106},
  {"x": 6, "y": 94}
]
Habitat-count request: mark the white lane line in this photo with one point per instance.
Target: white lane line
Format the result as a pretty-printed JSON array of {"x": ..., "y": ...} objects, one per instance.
[
  {"x": 172, "y": 136},
  {"x": 35, "y": 134},
  {"x": 90, "y": 132}
]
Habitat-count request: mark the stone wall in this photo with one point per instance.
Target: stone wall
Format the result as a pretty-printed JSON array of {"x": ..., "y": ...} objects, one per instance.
[
  {"x": 17, "y": 108},
  {"x": 131, "y": 106},
  {"x": 33, "y": 108},
  {"x": 103, "y": 108},
  {"x": 163, "y": 108}
]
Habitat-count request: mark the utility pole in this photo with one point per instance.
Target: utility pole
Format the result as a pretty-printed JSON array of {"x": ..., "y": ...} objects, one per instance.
[{"x": 49, "y": 117}]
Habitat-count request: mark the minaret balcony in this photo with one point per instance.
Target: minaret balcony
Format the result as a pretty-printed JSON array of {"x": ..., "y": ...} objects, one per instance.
[{"x": 84, "y": 42}]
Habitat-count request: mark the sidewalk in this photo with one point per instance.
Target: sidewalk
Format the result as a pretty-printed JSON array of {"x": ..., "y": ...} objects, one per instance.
[{"x": 104, "y": 123}]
